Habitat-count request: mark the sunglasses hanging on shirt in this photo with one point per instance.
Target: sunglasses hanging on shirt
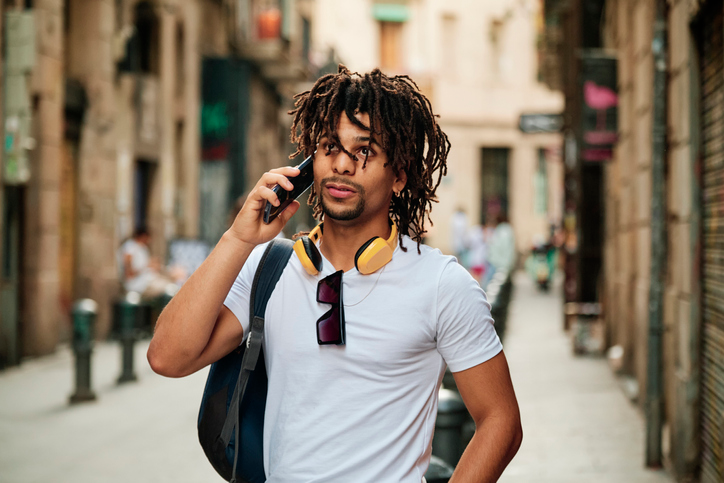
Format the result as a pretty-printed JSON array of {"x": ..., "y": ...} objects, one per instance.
[{"x": 330, "y": 326}]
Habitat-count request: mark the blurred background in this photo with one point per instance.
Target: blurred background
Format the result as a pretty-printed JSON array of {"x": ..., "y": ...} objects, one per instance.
[{"x": 585, "y": 193}]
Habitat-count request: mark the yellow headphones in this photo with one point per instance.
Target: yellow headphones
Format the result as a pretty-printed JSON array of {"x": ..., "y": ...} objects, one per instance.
[{"x": 373, "y": 255}]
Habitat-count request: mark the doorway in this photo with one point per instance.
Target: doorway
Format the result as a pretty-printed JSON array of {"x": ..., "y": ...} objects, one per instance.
[{"x": 494, "y": 183}]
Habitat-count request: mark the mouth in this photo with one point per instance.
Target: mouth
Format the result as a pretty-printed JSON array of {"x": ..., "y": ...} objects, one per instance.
[{"x": 339, "y": 190}]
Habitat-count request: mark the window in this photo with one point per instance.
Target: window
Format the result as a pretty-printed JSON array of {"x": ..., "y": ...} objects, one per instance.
[
  {"x": 390, "y": 45},
  {"x": 540, "y": 184}
]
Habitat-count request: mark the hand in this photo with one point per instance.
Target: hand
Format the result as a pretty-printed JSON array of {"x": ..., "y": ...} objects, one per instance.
[{"x": 249, "y": 226}]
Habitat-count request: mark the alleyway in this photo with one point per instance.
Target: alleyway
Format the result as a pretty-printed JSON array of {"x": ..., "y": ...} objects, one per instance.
[{"x": 578, "y": 425}]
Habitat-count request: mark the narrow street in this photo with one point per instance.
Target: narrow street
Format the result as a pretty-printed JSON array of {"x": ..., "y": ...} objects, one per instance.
[{"x": 578, "y": 425}]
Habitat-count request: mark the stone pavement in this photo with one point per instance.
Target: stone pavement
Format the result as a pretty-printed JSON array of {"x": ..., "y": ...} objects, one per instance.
[
  {"x": 578, "y": 425},
  {"x": 140, "y": 432}
]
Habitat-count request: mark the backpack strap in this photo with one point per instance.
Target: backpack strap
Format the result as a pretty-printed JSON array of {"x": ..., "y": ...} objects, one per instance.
[{"x": 267, "y": 275}]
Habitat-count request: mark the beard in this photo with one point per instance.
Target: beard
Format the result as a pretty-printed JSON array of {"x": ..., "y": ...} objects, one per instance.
[{"x": 343, "y": 214}]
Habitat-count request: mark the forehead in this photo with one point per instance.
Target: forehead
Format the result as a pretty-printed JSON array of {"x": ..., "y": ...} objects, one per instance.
[{"x": 344, "y": 123}]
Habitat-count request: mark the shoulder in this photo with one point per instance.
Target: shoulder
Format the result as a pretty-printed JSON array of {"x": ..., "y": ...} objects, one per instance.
[
  {"x": 129, "y": 246},
  {"x": 255, "y": 256},
  {"x": 430, "y": 262}
]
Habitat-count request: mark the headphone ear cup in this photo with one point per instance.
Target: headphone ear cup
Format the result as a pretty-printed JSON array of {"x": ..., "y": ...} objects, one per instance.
[
  {"x": 309, "y": 255},
  {"x": 372, "y": 256}
]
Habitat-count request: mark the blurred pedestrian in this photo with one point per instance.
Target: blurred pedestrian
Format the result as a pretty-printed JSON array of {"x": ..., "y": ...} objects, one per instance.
[
  {"x": 459, "y": 232},
  {"x": 354, "y": 401},
  {"x": 141, "y": 272},
  {"x": 477, "y": 254},
  {"x": 501, "y": 249}
]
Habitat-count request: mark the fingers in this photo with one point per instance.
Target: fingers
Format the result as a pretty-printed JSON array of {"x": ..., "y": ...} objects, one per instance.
[
  {"x": 287, "y": 214},
  {"x": 279, "y": 176},
  {"x": 266, "y": 194}
]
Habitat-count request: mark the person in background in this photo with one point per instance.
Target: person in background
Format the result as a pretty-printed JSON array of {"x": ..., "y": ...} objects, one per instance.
[
  {"x": 477, "y": 252},
  {"x": 501, "y": 249},
  {"x": 459, "y": 232},
  {"x": 140, "y": 272}
]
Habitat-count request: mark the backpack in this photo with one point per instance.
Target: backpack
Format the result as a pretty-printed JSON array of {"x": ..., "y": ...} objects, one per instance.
[{"x": 234, "y": 400}]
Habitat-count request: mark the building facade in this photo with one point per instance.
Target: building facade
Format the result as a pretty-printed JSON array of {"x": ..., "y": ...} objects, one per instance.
[
  {"x": 660, "y": 284},
  {"x": 477, "y": 63},
  {"x": 128, "y": 114}
]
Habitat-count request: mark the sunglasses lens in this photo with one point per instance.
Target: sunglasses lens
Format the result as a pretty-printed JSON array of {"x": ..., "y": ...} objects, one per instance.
[
  {"x": 328, "y": 289},
  {"x": 328, "y": 327}
]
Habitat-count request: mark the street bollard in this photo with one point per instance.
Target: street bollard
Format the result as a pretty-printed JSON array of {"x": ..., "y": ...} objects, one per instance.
[
  {"x": 451, "y": 415},
  {"x": 84, "y": 313},
  {"x": 129, "y": 313}
]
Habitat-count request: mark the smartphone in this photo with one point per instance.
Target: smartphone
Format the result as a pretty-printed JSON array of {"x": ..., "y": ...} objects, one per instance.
[{"x": 301, "y": 182}]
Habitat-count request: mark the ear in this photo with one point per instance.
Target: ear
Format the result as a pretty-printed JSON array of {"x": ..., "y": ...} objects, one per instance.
[{"x": 400, "y": 181}]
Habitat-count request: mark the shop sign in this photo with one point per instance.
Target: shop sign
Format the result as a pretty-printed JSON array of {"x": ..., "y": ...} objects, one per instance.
[
  {"x": 540, "y": 123},
  {"x": 599, "y": 119}
]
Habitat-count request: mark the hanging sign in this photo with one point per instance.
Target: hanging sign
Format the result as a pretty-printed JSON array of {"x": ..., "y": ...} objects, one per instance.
[
  {"x": 540, "y": 123},
  {"x": 599, "y": 119}
]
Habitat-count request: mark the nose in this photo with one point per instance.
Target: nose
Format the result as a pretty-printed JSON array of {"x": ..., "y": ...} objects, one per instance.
[{"x": 344, "y": 163}]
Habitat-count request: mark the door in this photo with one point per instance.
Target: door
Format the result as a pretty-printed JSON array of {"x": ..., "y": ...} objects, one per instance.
[
  {"x": 494, "y": 184},
  {"x": 10, "y": 309}
]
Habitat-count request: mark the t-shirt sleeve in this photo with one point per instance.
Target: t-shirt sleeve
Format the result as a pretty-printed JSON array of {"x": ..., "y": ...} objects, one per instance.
[
  {"x": 466, "y": 336},
  {"x": 238, "y": 297}
]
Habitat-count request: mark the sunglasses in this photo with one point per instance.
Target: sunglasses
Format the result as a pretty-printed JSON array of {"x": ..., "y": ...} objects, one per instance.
[{"x": 330, "y": 326}]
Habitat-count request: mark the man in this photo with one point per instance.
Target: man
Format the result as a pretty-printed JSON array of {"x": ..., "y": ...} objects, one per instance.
[
  {"x": 364, "y": 410},
  {"x": 140, "y": 272}
]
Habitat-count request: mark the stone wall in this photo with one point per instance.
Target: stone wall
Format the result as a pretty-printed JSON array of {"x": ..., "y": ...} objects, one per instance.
[
  {"x": 40, "y": 291},
  {"x": 628, "y": 30},
  {"x": 681, "y": 314}
]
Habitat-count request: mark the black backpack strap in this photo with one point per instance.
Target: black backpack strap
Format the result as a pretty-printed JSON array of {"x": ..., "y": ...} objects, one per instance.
[{"x": 267, "y": 275}]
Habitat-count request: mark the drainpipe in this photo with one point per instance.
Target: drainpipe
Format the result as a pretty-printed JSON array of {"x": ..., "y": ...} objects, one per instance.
[{"x": 654, "y": 379}]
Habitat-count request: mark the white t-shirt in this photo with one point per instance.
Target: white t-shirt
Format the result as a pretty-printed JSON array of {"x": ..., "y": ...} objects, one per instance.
[{"x": 364, "y": 411}]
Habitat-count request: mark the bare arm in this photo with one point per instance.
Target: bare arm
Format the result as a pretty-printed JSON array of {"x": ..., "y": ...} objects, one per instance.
[
  {"x": 128, "y": 271},
  {"x": 195, "y": 329},
  {"x": 488, "y": 394}
]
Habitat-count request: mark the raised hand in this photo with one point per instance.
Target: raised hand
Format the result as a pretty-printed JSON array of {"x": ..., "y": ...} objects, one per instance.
[{"x": 248, "y": 226}]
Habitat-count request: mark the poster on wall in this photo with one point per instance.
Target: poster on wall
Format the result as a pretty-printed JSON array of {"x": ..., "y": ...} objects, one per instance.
[{"x": 599, "y": 95}]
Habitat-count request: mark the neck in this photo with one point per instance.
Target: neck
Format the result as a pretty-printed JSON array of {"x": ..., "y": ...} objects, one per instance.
[{"x": 341, "y": 241}]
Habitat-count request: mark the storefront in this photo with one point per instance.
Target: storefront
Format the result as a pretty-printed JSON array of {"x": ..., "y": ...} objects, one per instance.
[{"x": 711, "y": 58}]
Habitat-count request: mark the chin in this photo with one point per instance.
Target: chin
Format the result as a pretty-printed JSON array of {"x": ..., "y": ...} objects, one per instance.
[{"x": 343, "y": 213}]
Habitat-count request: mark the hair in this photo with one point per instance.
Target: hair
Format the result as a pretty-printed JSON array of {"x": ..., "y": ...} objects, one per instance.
[
  {"x": 401, "y": 121},
  {"x": 139, "y": 231}
]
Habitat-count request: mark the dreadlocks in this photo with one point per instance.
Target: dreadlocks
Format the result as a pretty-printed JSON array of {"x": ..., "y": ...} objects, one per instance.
[{"x": 402, "y": 122}]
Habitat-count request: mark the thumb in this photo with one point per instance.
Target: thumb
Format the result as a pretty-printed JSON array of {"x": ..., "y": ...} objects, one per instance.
[{"x": 287, "y": 214}]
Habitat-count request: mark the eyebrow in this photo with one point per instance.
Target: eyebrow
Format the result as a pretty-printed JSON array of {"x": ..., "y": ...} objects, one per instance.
[
  {"x": 364, "y": 139},
  {"x": 357, "y": 139}
]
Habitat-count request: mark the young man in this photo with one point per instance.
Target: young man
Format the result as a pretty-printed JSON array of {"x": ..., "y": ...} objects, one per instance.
[{"x": 364, "y": 410}]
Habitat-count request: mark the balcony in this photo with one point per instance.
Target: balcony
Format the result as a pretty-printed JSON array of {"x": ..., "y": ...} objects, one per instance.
[{"x": 267, "y": 37}]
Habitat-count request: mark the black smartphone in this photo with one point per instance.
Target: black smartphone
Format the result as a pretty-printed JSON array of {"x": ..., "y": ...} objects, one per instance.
[{"x": 301, "y": 183}]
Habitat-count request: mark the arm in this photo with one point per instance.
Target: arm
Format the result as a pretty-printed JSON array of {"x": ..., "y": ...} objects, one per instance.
[
  {"x": 195, "y": 329},
  {"x": 488, "y": 394},
  {"x": 128, "y": 271}
]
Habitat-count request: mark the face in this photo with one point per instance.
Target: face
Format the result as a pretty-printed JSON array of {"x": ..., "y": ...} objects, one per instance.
[{"x": 349, "y": 188}]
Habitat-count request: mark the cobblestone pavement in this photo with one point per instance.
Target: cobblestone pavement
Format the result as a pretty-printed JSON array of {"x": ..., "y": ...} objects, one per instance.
[{"x": 578, "y": 425}]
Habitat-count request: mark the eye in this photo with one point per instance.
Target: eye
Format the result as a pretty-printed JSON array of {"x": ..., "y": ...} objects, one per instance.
[
  {"x": 366, "y": 152},
  {"x": 330, "y": 148}
]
